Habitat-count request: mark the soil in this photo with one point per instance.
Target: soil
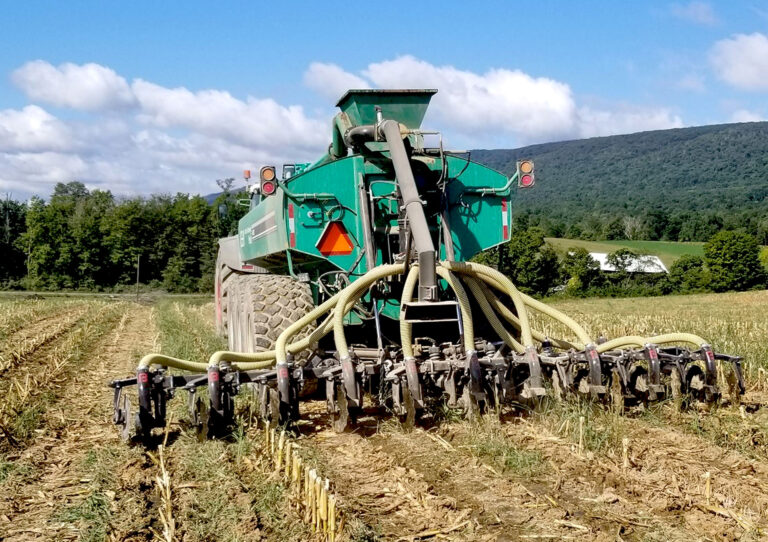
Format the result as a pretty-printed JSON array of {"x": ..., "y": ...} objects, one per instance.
[{"x": 75, "y": 479}]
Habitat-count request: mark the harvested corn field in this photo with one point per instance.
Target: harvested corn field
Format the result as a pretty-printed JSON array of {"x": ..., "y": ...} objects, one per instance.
[{"x": 572, "y": 470}]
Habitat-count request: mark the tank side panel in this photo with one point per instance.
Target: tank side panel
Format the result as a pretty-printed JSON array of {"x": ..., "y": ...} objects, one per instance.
[
  {"x": 262, "y": 235},
  {"x": 325, "y": 195},
  {"x": 478, "y": 222}
]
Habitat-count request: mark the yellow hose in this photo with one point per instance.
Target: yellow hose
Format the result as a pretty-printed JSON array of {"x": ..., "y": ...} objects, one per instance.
[
  {"x": 677, "y": 338},
  {"x": 471, "y": 268},
  {"x": 464, "y": 307},
  {"x": 510, "y": 317},
  {"x": 478, "y": 277},
  {"x": 356, "y": 289},
  {"x": 620, "y": 342},
  {"x": 290, "y": 331},
  {"x": 485, "y": 306},
  {"x": 553, "y": 313},
  {"x": 168, "y": 361},
  {"x": 406, "y": 337}
]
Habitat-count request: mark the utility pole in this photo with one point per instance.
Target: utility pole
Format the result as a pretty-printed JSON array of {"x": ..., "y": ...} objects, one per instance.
[{"x": 138, "y": 265}]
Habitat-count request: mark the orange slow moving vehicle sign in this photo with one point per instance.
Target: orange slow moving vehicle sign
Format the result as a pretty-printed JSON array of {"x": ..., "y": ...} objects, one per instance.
[{"x": 335, "y": 240}]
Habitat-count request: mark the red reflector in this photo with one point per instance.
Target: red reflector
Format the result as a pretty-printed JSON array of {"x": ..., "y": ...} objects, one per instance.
[
  {"x": 267, "y": 188},
  {"x": 526, "y": 180},
  {"x": 334, "y": 240}
]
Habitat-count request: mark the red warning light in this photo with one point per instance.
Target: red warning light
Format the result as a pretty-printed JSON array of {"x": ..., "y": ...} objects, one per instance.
[
  {"x": 526, "y": 180},
  {"x": 268, "y": 188},
  {"x": 335, "y": 240}
]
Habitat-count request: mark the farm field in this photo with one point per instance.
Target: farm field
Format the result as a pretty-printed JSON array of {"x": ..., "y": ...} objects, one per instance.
[
  {"x": 667, "y": 251},
  {"x": 66, "y": 475}
]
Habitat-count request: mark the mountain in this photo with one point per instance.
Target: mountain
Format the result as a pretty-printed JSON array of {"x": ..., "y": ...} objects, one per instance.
[{"x": 719, "y": 168}]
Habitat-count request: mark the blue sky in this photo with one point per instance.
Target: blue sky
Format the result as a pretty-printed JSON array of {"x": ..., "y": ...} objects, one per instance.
[{"x": 148, "y": 97}]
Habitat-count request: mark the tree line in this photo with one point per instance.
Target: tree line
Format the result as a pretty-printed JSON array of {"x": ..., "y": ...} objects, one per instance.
[
  {"x": 84, "y": 239},
  {"x": 731, "y": 262}
]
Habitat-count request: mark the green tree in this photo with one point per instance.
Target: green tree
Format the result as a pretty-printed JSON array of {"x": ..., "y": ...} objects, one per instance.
[
  {"x": 614, "y": 230},
  {"x": 733, "y": 261},
  {"x": 688, "y": 274},
  {"x": 583, "y": 270},
  {"x": 12, "y": 226},
  {"x": 530, "y": 262}
]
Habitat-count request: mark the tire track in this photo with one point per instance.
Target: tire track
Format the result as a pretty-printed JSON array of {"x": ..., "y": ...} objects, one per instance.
[
  {"x": 26, "y": 341},
  {"x": 72, "y": 487},
  {"x": 408, "y": 484}
]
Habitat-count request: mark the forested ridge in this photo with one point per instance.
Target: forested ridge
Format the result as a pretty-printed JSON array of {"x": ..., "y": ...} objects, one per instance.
[{"x": 680, "y": 185}]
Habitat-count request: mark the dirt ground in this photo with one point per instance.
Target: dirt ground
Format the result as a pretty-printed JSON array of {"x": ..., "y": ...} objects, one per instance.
[{"x": 65, "y": 474}]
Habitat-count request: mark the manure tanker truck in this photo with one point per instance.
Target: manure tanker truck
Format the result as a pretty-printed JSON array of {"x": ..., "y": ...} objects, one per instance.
[{"x": 350, "y": 280}]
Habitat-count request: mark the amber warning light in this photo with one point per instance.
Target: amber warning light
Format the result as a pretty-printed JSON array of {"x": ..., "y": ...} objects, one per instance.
[
  {"x": 268, "y": 183},
  {"x": 525, "y": 178}
]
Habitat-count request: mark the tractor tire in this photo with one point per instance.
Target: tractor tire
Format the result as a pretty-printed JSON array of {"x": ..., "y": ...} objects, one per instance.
[
  {"x": 223, "y": 281},
  {"x": 259, "y": 307}
]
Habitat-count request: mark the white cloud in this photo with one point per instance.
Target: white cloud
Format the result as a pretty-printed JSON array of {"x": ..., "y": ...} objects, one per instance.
[
  {"x": 32, "y": 129},
  {"x": 331, "y": 81},
  {"x": 742, "y": 61},
  {"x": 498, "y": 100},
  {"x": 88, "y": 87},
  {"x": 216, "y": 113},
  {"x": 503, "y": 107},
  {"x": 695, "y": 12},
  {"x": 141, "y": 137},
  {"x": 744, "y": 115}
]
